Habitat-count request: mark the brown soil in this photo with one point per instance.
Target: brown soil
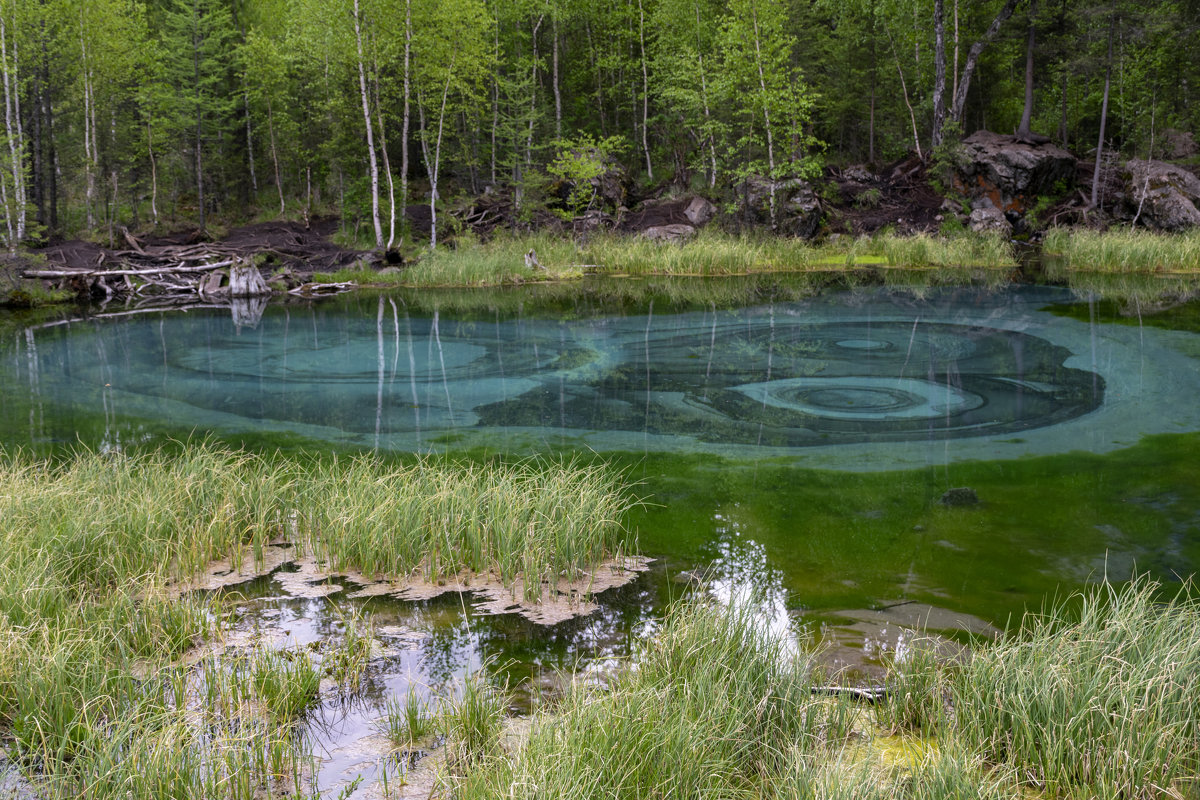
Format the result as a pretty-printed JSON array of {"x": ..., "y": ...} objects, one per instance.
[{"x": 899, "y": 196}]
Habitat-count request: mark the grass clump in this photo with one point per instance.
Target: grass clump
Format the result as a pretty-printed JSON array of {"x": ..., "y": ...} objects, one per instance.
[
  {"x": 532, "y": 521},
  {"x": 407, "y": 722},
  {"x": 923, "y": 251},
  {"x": 473, "y": 723},
  {"x": 1123, "y": 251},
  {"x": 1098, "y": 695},
  {"x": 714, "y": 706}
]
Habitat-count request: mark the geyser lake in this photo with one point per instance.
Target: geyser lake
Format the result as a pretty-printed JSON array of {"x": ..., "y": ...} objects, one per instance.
[{"x": 793, "y": 440}]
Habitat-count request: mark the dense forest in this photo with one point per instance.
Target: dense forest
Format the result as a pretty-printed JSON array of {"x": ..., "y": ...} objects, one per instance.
[{"x": 157, "y": 112}]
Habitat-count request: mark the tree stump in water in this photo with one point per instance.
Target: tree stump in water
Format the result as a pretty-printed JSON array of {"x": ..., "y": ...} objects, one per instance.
[{"x": 245, "y": 280}]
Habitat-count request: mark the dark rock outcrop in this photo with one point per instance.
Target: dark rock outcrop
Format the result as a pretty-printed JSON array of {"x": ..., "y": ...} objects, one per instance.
[
  {"x": 693, "y": 211},
  {"x": 798, "y": 210},
  {"x": 1011, "y": 172},
  {"x": 1179, "y": 144},
  {"x": 1161, "y": 196}
]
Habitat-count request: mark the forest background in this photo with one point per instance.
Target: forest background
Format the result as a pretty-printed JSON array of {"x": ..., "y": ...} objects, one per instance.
[{"x": 164, "y": 112}]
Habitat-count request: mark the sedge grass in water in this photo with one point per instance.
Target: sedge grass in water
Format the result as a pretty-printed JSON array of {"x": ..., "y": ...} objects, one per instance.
[
  {"x": 99, "y": 520},
  {"x": 1124, "y": 251},
  {"x": 710, "y": 253},
  {"x": 92, "y": 700},
  {"x": 713, "y": 707}
]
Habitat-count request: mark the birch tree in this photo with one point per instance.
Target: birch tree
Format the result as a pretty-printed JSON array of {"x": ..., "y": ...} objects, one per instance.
[{"x": 452, "y": 56}]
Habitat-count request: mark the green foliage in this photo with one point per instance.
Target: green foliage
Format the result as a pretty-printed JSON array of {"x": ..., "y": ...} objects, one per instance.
[{"x": 578, "y": 163}]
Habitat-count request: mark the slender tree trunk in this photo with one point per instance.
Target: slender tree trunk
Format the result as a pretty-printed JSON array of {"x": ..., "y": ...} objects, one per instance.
[
  {"x": 964, "y": 81},
  {"x": 50, "y": 149},
  {"x": 766, "y": 108},
  {"x": 275, "y": 155},
  {"x": 557, "y": 91},
  {"x": 904, "y": 88},
  {"x": 939, "y": 72},
  {"x": 199, "y": 122},
  {"x": 645, "y": 90},
  {"x": 712, "y": 144},
  {"x": 1027, "y": 111},
  {"x": 387, "y": 164},
  {"x": 374, "y": 167},
  {"x": 1112, "y": 29},
  {"x": 153, "y": 171},
  {"x": 14, "y": 135},
  {"x": 89, "y": 131},
  {"x": 250, "y": 143},
  {"x": 404, "y": 125},
  {"x": 495, "y": 94},
  {"x": 954, "y": 90},
  {"x": 432, "y": 163}
]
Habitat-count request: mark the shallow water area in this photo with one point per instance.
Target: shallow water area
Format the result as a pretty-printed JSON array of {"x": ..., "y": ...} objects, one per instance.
[{"x": 795, "y": 442}]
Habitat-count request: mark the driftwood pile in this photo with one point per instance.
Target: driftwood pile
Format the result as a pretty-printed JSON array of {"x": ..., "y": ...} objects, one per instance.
[{"x": 210, "y": 271}]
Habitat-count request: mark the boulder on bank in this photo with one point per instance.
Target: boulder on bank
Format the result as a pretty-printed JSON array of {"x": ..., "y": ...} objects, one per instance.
[
  {"x": 989, "y": 219},
  {"x": 1178, "y": 144},
  {"x": 690, "y": 211},
  {"x": 798, "y": 210},
  {"x": 1161, "y": 195},
  {"x": 1011, "y": 172},
  {"x": 669, "y": 233}
]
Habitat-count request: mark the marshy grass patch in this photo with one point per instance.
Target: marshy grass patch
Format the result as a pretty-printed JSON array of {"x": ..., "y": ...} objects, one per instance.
[
  {"x": 96, "y": 698},
  {"x": 1121, "y": 250},
  {"x": 713, "y": 705}
]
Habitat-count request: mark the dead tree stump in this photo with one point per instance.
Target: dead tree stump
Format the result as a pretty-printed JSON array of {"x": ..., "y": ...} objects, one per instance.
[{"x": 245, "y": 280}]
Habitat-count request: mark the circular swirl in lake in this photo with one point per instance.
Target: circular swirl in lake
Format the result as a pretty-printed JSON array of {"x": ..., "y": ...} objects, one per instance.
[{"x": 782, "y": 376}]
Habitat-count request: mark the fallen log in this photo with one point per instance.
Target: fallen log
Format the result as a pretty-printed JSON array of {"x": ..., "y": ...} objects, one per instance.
[{"x": 104, "y": 273}]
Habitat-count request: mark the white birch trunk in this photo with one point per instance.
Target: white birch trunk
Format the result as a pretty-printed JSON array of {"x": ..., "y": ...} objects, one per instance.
[
  {"x": 407, "y": 107},
  {"x": 712, "y": 145},
  {"x": 762, "y": 83},
  {"x": 557, "y": 90},
  {"x": 645, "y": 90},
  {"x": 250, "y": 142},
  {"x": 374, "y": 167},
  {"x": 387, "y": 164},
  {"x": 88, "y": 131},
  {"x": 275, "y": 155},
  {"x": 14, "y": 216},
  {"x": 437, "y": 155},
  {"x": 153, "y": 172}
]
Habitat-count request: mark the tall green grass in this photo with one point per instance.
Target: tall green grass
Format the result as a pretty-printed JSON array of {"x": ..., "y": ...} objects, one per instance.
[
  {"x": 961, "y": 250},
  {"x": 1122, "y": 250},
  {"x": 709, "y": 253},
  {"x": 1099, "y": 694},
  {"x": 100, "y": 520},
  {"x": 713, "y": 707},
  {"x": 91, "y": 698}
]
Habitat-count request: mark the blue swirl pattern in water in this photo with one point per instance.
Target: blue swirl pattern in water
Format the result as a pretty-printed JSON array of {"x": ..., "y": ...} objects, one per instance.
[{"x": 863, "y": 369}]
